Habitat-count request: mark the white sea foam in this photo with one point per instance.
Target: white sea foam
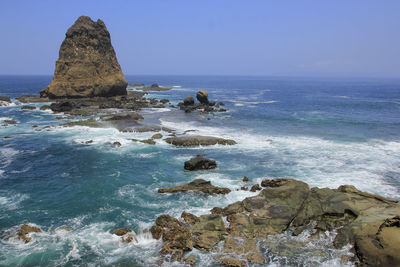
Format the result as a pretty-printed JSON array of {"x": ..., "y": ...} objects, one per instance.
[
  {"x": 10, "y": 200},
  {"x": 7, "y": 155}
]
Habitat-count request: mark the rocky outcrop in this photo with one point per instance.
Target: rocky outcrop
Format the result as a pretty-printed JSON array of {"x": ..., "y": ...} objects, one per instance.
[
  {"x": 200, "y": 163},
  {"x": 25, "y": 230},
  {"x": 197, "y": 140},
  {"x": 371, "y": 223},
  {"x": 87, "y": 65},
  {"x": 122, "y": 117},
  {"x": 205, "y": 106},
  {"x": 4, "y": 101},
  {"x": 28, "y": 107},
  {"x": 202, "y": 96},
  {"x": 198, "y": 185},
  {"x": 154, "y": 87}
]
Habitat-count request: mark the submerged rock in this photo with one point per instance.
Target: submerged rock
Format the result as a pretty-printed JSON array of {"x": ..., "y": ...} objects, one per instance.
[
  {"x": 122, "y": 117},
  {"x": 121, "y": 231},
  {"x": 25, "y": 230},
  {"x": 200, "y": 163},
  {"x": 10, "y": 121},
  {"x": 28, "y": 107},
  {"x": 87, "y": 65},
  {"x": 198, "y": 185},
  {"x": 116, "y": 144},
  {"x": 157, "y": 136},
  {"x": 197, "y": 140}
]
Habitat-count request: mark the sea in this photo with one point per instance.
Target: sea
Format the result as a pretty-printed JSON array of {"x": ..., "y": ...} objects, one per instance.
[{"x": 324, "y": 131}]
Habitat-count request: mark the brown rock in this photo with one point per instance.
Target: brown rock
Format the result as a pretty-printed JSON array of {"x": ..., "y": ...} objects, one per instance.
[
  {"x": 189, "y": 218},
  {"x": 245, "y": 179},
  {"x": 198, "y": 185},
  {"x": 116, "y": 144},
  {"x": 87, "y": 65},
  {"x": 190, "y": 260},
  {"x": 25, "y": 230},
  {"x": 231, "y": 262},
  {"x": 28, "y": 107},
  {"x": 148, "y": 141},
  {"x": 255, "y": 188},
  {"x": 188, "y": 101},
  {"x": 121, "y": 231},
  {"x": 157, "y": 136},
  {"x": 202, "y": 96},
  {"x": 200, "y": 163}
]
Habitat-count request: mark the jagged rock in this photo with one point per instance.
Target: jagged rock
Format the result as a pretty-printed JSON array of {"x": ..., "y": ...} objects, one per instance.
[
  {"x": 202, "y": 96},
  {"x": 189, "y": 218},
  {"x": 10, "y": 121},
  {"x": 164, "y": 101},
  {"x": 157, "y": 136},
  {"x": 244, "y": 188},
  {"x": 245, "y": 179},
  {"x": 200, "y": 163},
  {"x": 208, "y": 232},
  {"x": 25, "y": 230},
  {"x": 273, "y": 183},
  {"x": 197, "y": 140},
  {"x": 87, "y": 65},
  {"x": 129, "y": 238},
  {"x": 255, "y": 188},
  {"x": 28, "y": 107},
  {"x": 63, "y": 106},
  {"x": 248, "y": 247},
  {"x": 198, "y": 185}
]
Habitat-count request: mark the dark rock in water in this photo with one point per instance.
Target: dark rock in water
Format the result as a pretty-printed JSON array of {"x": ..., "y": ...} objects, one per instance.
[
  {"x": 200, "y": 163},
  {"x": 121, "y": 231},
  {"x": 245, "y": 179},
  {"x": 10, "y": 121},
  {"x": 244, "y": 188},
  {"x": 197, "y": 140},
  {"x": 188, "y": 101},
  {"x": 87, "y": 65},
  {"x": 198, "y": 185},
  {"x": 189, "y": 218},
  {"x": 273, "y": 183},
  {"x": 5, "y": 99},
  {"x": 28, "y": 107},
  {"x": 135, "y": 84},
  {"x": 25, "y": 230},
  {"x": 45, "y": 107},
  {"x": 88, "y": 142},
  {"x": 63, "y": 106},
  {"x": 255, "y": 188},
  {"x": 122, "y": 117},
  {"x": 154, "y": 87},
  {"x": 157, "y": 136},
  {"x": 7, "y": 137},
  {"x": 202, "y": 96},
  {"x": 148, "y": 141},
  {"x": 116, "y": 144},
  {"x": 164, "y": 101}
]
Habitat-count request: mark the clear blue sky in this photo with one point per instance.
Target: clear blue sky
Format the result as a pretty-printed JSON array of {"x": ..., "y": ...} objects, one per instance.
[{"x": 281, "y": 37}]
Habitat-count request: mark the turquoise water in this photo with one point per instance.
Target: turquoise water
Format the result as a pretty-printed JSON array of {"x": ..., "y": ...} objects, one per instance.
[{"x": 326, "y": 132}]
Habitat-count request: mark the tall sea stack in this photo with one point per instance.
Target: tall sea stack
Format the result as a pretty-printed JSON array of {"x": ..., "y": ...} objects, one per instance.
[{"x": 87, "y": 65}]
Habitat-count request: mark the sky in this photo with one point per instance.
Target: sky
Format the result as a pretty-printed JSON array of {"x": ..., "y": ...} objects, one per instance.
[{"x": 209, "y": 37}]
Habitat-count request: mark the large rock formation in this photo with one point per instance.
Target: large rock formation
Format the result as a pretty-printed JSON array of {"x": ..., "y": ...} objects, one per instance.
[
  {"x": 87, "y": 65},
  {"x": 369, "y": 222}
]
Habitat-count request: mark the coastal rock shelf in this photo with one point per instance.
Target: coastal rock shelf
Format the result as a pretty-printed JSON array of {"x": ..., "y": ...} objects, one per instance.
[
  {"x": 198, "y": 185},
  {"x": 87, "y": 65},
  {"x": 369, "y": 222},
  {"x": 197, "y": 140}
]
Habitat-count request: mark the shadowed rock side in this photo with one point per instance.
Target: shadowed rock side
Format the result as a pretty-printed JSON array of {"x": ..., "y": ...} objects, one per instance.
[
  {"x": 87, "y": 65},
  {"x": 197, "y": 140},
  {"x": 200, "y": 163},
  {"x": 369, "y": 222},
  {"x": 198, "y": 185}
]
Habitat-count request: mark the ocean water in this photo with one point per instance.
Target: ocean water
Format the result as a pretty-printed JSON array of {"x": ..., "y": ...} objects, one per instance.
[{"x": 324, "y": 131}]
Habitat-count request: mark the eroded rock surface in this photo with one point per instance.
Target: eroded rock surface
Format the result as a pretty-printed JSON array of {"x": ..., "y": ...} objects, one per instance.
[
  {"x": 369, "y": 222},
  {"x": 87, "y": 65},
  {"x": 25, "y": 230}
]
